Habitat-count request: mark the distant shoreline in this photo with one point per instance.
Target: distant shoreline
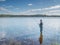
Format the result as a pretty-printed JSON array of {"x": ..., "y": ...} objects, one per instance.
[{"x": 29, "y": 16}]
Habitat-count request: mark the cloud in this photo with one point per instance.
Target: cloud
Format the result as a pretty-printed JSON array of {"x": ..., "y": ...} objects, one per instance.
[
  {"x": 1, "y": 8},
  {"x": 48, "y": 10},
  {"x": 29, "y": 4},
  {"x": 2, "y": 0},
  {"x": 43, "y": 10},
  {"x": 52, "y": 7},
  {"x": 52, "y": 11},
  {"x": 5, "y": 10},
  {"x": 10, "y": 7},
  {"x": 17, "y": 8}
]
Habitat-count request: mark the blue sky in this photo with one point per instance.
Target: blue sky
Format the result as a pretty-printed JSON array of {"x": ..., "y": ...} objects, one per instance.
[{"x": 50, "y": 7}]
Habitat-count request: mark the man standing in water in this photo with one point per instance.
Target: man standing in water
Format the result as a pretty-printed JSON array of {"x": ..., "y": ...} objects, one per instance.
[
  {"x": 41, "y": 26},
  {"x": 41, "y": 36}
]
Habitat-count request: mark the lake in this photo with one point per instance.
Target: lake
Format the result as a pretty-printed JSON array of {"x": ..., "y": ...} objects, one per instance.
[{"x": 28, "y": 28}]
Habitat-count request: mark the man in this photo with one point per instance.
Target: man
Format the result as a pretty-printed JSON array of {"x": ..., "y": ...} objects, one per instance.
[{"x": 41, "y": 25}]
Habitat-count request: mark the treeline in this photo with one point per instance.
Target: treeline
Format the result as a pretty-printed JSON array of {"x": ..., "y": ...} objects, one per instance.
[{"x": 29, "y": 16}]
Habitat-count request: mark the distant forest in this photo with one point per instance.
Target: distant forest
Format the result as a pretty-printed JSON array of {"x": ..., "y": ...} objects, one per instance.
[{"x": 29, "y": 16}]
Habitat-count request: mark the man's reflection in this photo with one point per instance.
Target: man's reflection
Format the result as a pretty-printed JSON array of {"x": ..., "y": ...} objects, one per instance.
[{"x": 41, "y": 38}]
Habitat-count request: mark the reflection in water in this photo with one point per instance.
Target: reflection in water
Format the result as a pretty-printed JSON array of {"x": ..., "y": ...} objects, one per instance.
[{"x": 41, "y": 38}]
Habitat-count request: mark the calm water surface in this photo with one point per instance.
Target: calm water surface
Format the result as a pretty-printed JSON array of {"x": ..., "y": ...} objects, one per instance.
[{"x": 29, "y": 28}]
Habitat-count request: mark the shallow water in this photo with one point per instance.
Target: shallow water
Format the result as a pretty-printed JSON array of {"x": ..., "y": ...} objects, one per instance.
[{"x": 28, "y": 27}]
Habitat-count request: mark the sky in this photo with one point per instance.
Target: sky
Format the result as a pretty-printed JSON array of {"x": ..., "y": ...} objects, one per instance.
[{"x": 27, "y": 7}]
